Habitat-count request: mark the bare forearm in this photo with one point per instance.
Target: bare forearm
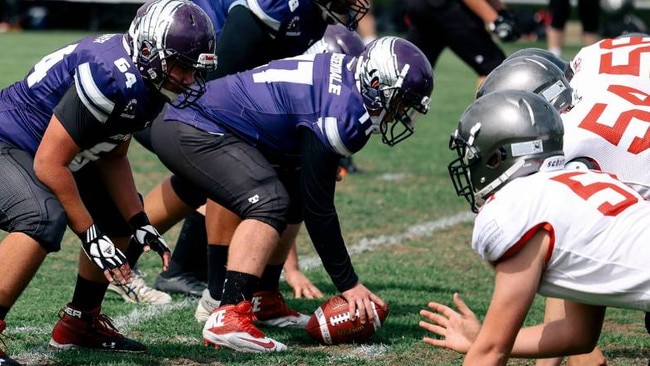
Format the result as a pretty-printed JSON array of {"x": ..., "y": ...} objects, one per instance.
[
  {"x": 577, "y": 332},
  {"x": 483, "y": 9}
]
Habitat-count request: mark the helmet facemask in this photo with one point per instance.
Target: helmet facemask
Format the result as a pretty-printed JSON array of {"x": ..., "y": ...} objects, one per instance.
[
  {"x": 396, "y": 81},
  {"x": 400, "y": 110},
  {"x": 459, "y": 168},
  {"x": 502, "y": 136},
  {"x": 346, "y": 12},
  {"x": 169, "y": 85}
]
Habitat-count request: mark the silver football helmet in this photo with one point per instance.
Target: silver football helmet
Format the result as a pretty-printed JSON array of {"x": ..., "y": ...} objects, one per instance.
[
  {"x": 533, "y": 74},
  {"x": 396, "y": 81},
  {"x": 173, "y": 33},
  {"x": 560, "y": 63},
  {"x": 502, "y": 136}
]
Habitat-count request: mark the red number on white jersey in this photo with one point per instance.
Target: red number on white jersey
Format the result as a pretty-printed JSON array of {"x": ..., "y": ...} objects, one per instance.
[
  {"x": 632, "y": 67},
  {"x": 615, "y": 132},
  {"x": 621, "y": 198}
]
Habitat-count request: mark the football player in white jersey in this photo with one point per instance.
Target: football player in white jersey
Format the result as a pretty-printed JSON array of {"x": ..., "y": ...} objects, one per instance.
[
  {"x": 510, "y": 165},
  {"x": 609, "y": 128},
  {"x": 606, "y": 125}
]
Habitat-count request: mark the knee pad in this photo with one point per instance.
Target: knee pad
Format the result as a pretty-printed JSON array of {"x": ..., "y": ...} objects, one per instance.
[
  {"x": 271, "y": 209},
  {"x": 46, "y": 224}
]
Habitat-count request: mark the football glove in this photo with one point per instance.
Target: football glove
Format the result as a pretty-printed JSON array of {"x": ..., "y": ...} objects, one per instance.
[
  {"x": 147, "y": 235},
  {"x": 100, "y": 249},
  {"x": 505, "y": 27}
]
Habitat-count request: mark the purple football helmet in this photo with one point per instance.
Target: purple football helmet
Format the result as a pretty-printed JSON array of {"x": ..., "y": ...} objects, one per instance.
[
  {"x": 396, "y": 81},
  {"x": 338, "y": 39},
  {"x": 346, "y": 12},
  {"x": 173, "y": 33},
  {"x": 540, "y": 52}
]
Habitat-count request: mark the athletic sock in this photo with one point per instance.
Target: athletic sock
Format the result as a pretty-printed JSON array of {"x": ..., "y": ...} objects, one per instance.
[
  {"x": 238, "y": 287},
  {"x": 88, "y": 295},
  {"x": 270, "y": 277},
  {"x": 217, "y": 260}
]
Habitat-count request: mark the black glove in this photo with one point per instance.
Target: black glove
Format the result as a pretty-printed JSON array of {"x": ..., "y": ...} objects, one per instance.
[
  {"x": 505, "y": 27},
  {"x": 147, "y": 235},
  {"x": 100, "y": 249}
]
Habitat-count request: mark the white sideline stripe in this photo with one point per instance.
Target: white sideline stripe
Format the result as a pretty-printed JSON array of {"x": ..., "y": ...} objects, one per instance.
[
  {"x": 411, "y": 233},
  {"x": 134, "y": 318}
]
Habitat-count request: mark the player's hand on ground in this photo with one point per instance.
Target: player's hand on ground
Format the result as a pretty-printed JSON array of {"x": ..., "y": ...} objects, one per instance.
[
  {"x": 359, "y": 298},
  {"x": 301, "y": 285},
  {"x": 150, "y": 239},
  {"x": 100, "y": 250},
  {"x": 457, "y": 329}
]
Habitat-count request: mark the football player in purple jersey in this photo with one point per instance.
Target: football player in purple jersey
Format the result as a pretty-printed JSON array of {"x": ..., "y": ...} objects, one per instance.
[
  {"x": 266, "y": 143},
  {"x": 253, "y": 32},
  {"x": 189, "y": 263},
  {"x": 64, "y": 134},
  {"x": 184, "y": 274},
  {"x": 249, "y": 33}
]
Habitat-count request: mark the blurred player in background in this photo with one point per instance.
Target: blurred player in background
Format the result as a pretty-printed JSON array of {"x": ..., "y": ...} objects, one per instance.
[
  {"x": 301, "y": 115},
  {"x": 461, "y": 26},
  {"x": 65, "y": 131},
  {"x": 560, "y": 10}
]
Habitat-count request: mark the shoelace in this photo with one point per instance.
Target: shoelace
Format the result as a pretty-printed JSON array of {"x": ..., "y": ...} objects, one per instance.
[
  {"x": 4, "y": 345},
  {"x": 247, "y": 319},
  {"x": 104, "y": 324}
]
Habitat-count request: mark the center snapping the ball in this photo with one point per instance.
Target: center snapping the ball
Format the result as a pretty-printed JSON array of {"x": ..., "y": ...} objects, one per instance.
[{"x": 331, "y": 324}]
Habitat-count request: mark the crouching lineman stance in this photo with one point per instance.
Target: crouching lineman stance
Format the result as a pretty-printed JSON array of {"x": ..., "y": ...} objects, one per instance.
[
  {"x": 579, "y": 227},
  {"x": 64, "y": 134},
  {"x": 604, "y": 94},
  {"x": 249, "y": 34},
  {"x": 280, "y": 131}
]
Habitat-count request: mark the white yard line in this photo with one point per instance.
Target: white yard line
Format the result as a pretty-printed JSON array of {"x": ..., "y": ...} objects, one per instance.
[
  {"x": 143, "y": 313},
  {"x": 411, "y": 233}
]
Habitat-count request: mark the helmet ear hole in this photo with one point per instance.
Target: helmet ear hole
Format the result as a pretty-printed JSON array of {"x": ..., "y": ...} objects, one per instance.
[
  {"x": 495, "y": 160},
  {"x": 145, "y": 51}
]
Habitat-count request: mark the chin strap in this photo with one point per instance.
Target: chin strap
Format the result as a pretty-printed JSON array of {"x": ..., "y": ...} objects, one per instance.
[{"x": 169, "y": 95}]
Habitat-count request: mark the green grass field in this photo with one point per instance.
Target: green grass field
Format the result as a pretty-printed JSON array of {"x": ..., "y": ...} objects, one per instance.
[{"x": 407, "y": 231}]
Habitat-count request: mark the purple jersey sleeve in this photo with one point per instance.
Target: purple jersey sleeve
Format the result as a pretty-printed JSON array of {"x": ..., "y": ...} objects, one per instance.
[
  {"x": 105, "y": 80},
  {"x": 266, "y": 106},
  {"x": 301, "y": 23}
]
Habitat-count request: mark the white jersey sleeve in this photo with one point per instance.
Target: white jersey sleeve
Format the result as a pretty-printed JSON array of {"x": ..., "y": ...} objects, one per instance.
[{"x": 598, "y": 229}]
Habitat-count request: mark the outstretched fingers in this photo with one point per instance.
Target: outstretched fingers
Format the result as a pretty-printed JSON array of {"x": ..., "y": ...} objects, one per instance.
[{"x": 456, "y": 329}]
